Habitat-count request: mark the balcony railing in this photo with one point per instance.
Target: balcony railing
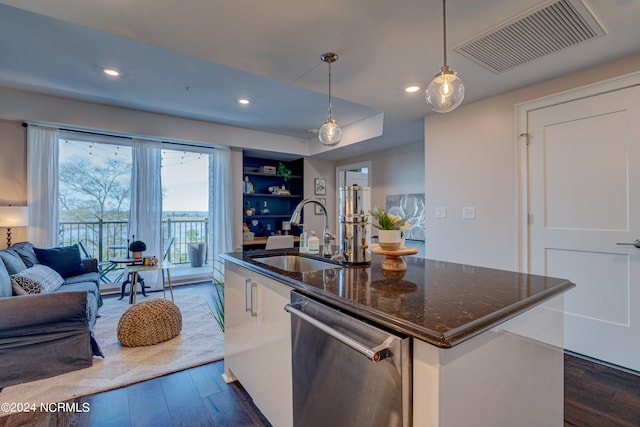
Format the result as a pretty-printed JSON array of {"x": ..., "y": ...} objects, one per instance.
[{"x": 108, "y": 239}]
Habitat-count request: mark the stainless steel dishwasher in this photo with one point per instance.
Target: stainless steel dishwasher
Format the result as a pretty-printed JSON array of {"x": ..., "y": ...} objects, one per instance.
[{"x": 347, "y": 372}]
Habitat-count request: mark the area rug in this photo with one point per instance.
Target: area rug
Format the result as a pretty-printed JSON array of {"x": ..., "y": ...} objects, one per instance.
[{"x": 199, "y": 342}]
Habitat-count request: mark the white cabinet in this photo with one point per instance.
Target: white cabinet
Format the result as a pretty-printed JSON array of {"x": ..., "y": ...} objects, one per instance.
[{"x": 257, "y": 341}]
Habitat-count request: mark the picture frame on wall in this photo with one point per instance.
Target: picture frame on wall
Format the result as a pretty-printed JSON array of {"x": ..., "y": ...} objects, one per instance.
[
  {"x": 411, "y": 207},
  {"x": 320, "y": 186},
  {"x": 317, "y": 208}
]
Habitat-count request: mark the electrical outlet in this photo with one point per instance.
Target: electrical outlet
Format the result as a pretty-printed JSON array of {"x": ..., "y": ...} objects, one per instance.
[
  {"x": 441, "y": 212},
  {"x": 469, "y": 213}
]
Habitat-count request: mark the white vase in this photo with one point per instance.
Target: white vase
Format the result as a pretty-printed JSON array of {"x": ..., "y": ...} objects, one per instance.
[{"x": 389, "y": 240}]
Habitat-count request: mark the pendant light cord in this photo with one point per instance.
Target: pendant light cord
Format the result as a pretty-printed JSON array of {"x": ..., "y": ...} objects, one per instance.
[
  {"x": 330, "y": 90},
  {"x": 444, "y": 30}
]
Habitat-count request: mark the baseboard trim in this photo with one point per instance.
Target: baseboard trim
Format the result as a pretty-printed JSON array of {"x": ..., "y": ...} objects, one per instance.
[{"x": 602, "y": 362}]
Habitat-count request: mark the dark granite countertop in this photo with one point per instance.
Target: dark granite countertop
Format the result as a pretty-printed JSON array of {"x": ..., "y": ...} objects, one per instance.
[{"x": 439, "y": 302}]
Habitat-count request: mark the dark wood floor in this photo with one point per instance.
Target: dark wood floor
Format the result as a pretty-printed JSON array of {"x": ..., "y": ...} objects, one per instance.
[
  {"x": 595, "y": 396},
  {"x": 194, "y": 397}
]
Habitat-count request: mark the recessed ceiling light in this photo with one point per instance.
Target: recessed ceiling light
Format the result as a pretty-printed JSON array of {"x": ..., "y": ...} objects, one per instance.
[
  {"x": 111, "y": 72},
  {"x": 244, "y": 101},
  {"x": 412, "y": 89}
]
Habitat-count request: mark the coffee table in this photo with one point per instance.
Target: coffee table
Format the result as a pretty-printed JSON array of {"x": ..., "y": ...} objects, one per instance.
[
  {"x": 127, "y": 281},
  {"x": 135, "y": 269}
]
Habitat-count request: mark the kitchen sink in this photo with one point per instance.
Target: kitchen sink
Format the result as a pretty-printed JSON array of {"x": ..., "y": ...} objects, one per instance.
[{"x": 295, "y": 263}]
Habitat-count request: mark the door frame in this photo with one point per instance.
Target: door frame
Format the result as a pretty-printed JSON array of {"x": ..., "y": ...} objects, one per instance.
[
  {"x": 521, "y": 138},
  {"x": 359, "y": 165}
]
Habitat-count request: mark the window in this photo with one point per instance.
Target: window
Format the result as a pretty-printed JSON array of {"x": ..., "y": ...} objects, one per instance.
[
  {"x": 95, "y": 198},
  {"x": 95, "y": 181},
  {"x": 185, "y": 204}
]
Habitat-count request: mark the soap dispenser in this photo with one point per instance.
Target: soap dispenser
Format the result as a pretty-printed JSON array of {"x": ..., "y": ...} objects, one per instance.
[
  {"x": 304, "y": 241},
  {"x": 314, "y": 244}
]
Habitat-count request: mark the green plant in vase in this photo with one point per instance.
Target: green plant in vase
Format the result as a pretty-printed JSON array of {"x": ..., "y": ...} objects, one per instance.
[
  {"x": 248, "y": 209},
  {"x": 390, "y": 228},
  {"x": 137, "y": 247},
  {"x": 284, "y": 172}
]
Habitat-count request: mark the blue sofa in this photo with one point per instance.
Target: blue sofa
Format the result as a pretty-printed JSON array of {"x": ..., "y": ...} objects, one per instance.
[{"x": 49, "y": 332}]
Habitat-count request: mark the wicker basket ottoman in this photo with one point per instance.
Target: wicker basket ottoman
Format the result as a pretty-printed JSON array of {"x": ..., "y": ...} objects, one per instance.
[{"x": 150, "y": 322}]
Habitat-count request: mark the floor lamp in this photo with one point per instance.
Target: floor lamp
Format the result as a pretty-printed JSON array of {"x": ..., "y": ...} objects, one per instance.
[{"x": 13, "y": 216}]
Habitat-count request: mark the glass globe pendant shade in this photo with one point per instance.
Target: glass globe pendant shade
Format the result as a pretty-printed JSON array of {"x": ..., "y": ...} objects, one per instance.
[
  {"x": 445, "y": 92},
  {"x": 330, "y": 133}
]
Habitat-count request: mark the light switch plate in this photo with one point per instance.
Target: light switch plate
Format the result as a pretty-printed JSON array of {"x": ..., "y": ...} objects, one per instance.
[
  {"x": 469, "y": 213},
  {"x": 441, "y": 212}
]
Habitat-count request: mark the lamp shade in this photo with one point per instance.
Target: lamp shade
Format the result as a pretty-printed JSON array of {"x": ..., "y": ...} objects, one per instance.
[{"x": 14, "y": 216}]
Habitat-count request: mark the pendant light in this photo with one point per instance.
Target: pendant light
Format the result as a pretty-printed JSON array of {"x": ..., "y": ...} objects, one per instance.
[
  {"x": 330, "y": 133},
  {"x": 446, "y": 91}
]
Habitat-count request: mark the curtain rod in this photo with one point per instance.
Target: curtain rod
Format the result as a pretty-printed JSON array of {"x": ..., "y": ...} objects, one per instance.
[
  {"x": 86, "y": 132},
  {"x": 116, "y": 135}
]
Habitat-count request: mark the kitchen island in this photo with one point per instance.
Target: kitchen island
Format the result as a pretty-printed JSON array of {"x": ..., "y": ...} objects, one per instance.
[{"x": 486, "y": 343}]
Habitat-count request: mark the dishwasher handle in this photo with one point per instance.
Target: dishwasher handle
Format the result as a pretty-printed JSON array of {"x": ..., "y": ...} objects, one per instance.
[{"x": 375, "y": 354}]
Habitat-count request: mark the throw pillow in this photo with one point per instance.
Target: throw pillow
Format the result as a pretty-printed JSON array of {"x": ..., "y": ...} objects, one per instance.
[
  {"x": 25, "y": 251},
  {"x": 65, "y": 260},
  {"x": 38, "y": 279},
  {"x": 12, "y": 261},
  {"x": 5, "y": 282}
]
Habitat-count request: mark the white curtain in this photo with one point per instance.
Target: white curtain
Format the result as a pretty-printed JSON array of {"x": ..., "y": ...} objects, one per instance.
[
  {"x": 42, "y": 185},
  {"x": 220, "y": 206},
  {"x": 145, "y": 215}
]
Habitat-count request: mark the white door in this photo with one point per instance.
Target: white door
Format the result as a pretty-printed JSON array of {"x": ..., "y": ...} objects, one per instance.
[{"x": 584, "y": 198}]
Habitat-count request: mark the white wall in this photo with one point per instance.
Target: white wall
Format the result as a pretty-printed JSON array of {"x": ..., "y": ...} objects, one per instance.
[
  {"x": 238, "y": 207},
  {"x": 396, "y": 171},
  {"x": 316, "y": 168},
  {"x": 470, "y": 160},
  {"x": 13, "y": 174},
  {"x": 13, "y": 164},
  {"x": 32, "y": 107},
  {"x": 471, "y": 165}
]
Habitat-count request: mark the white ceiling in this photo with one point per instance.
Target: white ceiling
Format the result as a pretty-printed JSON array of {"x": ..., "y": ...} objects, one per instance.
[{"x": 269, "y": 51}]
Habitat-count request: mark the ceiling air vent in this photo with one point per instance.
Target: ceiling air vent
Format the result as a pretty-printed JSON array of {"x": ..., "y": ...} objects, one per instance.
[{"x": 544, "y": 29}]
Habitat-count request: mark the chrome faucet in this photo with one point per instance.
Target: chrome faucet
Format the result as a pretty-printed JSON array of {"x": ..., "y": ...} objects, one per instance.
[{"x": 327, "y": 237}]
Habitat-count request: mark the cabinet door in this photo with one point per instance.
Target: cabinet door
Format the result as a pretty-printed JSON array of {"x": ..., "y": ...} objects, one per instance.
[
  {"x": 258, "y": 341},
  {"x": 239, "y": 324}
]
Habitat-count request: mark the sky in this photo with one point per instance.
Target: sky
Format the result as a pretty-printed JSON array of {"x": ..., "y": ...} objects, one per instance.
[
  {"x": 185, "y": 181},
  {"x": 184, "y": 174}
]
